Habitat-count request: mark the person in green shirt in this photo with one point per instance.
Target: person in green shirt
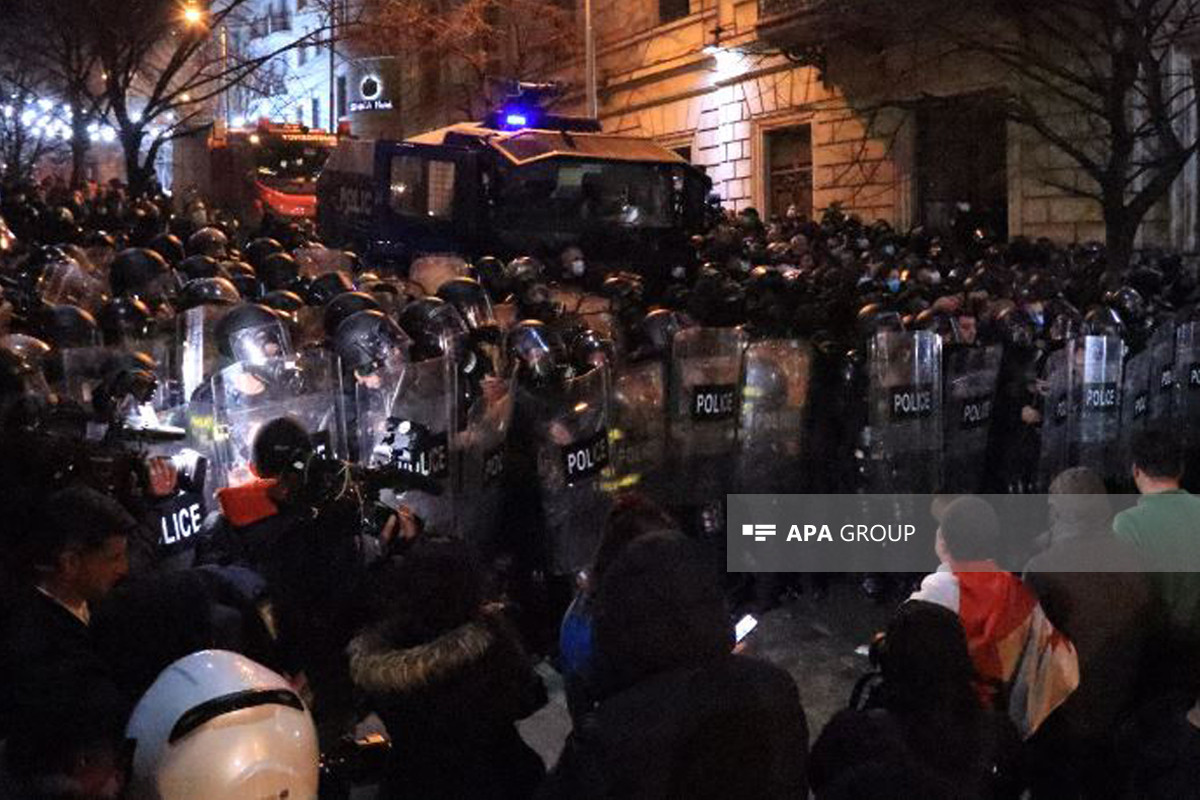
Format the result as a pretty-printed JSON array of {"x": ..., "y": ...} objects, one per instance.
[{"x": 1164, "y": 527}]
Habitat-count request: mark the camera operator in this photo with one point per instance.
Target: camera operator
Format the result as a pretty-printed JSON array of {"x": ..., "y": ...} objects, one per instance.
[{"x": 312, "y": 554}]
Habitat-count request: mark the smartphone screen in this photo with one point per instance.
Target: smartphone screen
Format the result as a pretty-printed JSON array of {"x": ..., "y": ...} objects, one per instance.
[{"x": 744, "y": 626}]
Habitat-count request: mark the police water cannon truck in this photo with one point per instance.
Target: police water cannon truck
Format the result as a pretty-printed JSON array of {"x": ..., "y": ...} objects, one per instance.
[{"x": 522, "y": 181}]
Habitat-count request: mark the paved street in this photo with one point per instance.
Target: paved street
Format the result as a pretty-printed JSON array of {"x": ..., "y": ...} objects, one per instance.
[{"x": 815, "y": 640}]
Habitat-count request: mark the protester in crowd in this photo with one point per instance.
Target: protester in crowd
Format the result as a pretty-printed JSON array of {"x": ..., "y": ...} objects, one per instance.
[
  {"x": 63, "y": 707},
  {"x": 1017, "y": 653},
  {"x": 632, "y": 516},
  {"x": 1093, "y": 589},
  {"x": 679, "y": 715},
  {"x": 447, "y": 674},
  {"x": 1160, "y": 749},
  {"x": 926, "y": 734},
  {"x": 1164, "y": 528}
]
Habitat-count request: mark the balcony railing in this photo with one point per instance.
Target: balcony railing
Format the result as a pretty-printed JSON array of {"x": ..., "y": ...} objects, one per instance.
[
  {"x": 777, "y": 8},
  {"x": 804, "y": 23}
]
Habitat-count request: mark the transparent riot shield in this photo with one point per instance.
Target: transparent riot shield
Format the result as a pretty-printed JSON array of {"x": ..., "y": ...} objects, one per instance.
[
  {"x": 404, "y": 418},
  {"x": 1187, "y": 380},
  {"x": 1096, "y": 395},
  {"x": 1162, "y": 375},
  {"x": 1139, "y": 385},
  {"x": 480, "y": 448},
  {"x": 573, "y": 463},
  {"x": 969, "y": 395},
  {"x": 82, "y": 370},
  {"x": 776, "y": 374},
  {"x": 706, "y": 370},
  {"x": 428, "y": 273},
  {"x": 905, "y": 411},
  {"x": 246, "y": 396},
  {"x": 1055, "y": 381},
  {"x": 638, "y": 434},
  {"x": 68, "y": 282},
  {"x": 316, "y": 260},
  {"x": 194, "y": 356}
]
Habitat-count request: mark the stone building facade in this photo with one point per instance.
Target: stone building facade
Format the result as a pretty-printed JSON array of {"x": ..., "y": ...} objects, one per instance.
[{"x": 863, "y": 120}]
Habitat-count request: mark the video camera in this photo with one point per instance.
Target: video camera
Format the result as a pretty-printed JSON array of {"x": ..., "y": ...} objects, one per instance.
[{"x": 325, "y": 482}]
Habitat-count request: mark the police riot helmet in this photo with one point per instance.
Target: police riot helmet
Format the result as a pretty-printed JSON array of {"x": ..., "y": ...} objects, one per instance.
[
  {"x": 243, "y": 277},
  {"x": 624, "y": 289},
  {"x": 1128, "y": 303},
  {"x": 207, "y": 292},
  {"x": 435, "y": 326},
  {"x": 368, "y": 340},
  {"x": 1016, "y": 328},
  {"x": 29, "y": 348},
  {"x": 589, "y": 350},
  {"x": 277, "y": 271},
  {"x": 471, "y": 300},
  {"x": 327, "y": 286},
  {"x": 530, "y": 345},
  {"x": 210, "y": 241},
  {"x": 169, "y": 247},
  {"x": 200, "y": 266},
  {"x": 936, "y": 321},
  {"x": 257, "y": 251},
  {"x": 1103, "y": 321},
  {"x": 252, "y": 333},
  {"x": 215, "y": 724},
  {"x": 96, "y": 240},
  {"x": 136, "y": 269},
  {"x": 123, "y": 318},
  {"x": 283, "y": 301},
  {"x": 346, "y": 304},
  {"x": 490, "y": 272},
  {"x": 873, "y": 318},
  {"x": 39, "y": 259},
  {"x": 522, "y": 270},
  {"x": 66, "y": 326},
  {"x": 656, "y": 332},
  {"x": 19, "y": 377}
]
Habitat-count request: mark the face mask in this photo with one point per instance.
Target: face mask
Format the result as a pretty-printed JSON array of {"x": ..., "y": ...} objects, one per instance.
[
  {"x": 578, "y": 267},
  {"x": 893, "y": 285},
  {"x": 935, "y": 278},
  {"x": 678, "y": 273}
]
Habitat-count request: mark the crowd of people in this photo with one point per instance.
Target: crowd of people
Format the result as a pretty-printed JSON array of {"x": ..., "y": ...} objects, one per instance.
[{"x": 267, "y": 493}]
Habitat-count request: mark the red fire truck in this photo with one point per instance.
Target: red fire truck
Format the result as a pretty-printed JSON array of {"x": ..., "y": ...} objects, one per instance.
[{"x": 269, "y": 167}]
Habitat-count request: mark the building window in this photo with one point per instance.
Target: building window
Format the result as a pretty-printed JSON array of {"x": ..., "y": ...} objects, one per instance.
[
  {"x": 670, "y": 10},
  {"x": 790, "y": 170},
  {"x": 962, "y": 163},
  {"x": 316, "y": 112},
  {"x": 421, "y": 188},
  {"x": 341, "y": 96},
  {"x": 281, "y": 18}
]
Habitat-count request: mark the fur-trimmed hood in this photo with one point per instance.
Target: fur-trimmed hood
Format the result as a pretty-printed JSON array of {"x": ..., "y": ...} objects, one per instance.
[{"x": 476, "y": 667}]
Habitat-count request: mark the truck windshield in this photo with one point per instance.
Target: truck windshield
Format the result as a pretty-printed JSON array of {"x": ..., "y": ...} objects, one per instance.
[
  {"x": 568, "y": 195},
  {"x": 279, "y": 163}
]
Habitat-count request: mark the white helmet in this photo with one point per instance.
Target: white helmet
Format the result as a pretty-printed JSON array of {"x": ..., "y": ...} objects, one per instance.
[{"x": 217, "y": 726}]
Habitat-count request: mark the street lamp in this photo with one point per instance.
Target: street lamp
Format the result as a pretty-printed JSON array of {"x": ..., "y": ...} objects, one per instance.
[{"x": 192, "y": 15}]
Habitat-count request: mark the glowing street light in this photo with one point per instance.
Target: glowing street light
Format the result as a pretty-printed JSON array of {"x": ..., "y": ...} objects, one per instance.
[{"x": 193, "y": 15}]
